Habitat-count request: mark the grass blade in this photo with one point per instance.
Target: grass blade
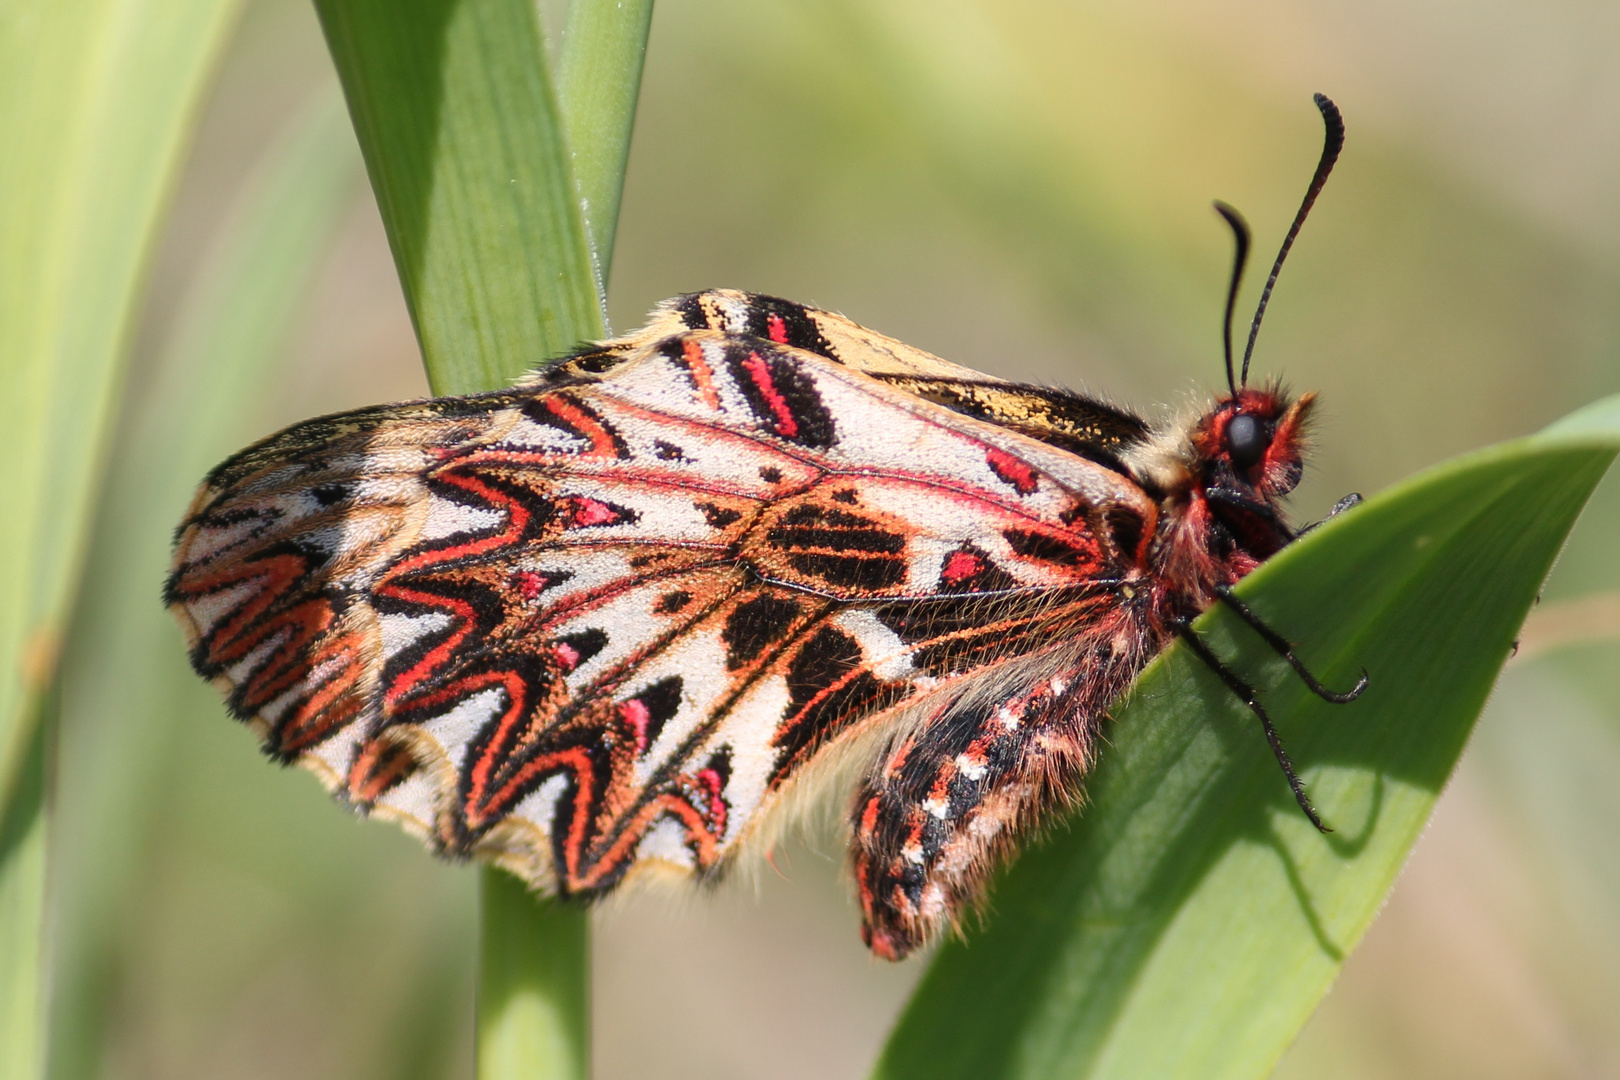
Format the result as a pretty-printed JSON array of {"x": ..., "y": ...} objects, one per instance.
[
  {"x": 467, "y": 150},
  {"x": 96, "y": 98},
  {"x": 22, "y": 913},
  {"x": 96, "y": 102},
  {"x": 464, "y": 143},
  {"x": 599, "y": 79},
  {"x": 126, "y": 685},
  {"x": 1188, "y": 921}
]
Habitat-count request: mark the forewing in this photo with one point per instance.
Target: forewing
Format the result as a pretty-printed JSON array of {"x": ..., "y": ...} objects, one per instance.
[{"x": 595, "y": 624}]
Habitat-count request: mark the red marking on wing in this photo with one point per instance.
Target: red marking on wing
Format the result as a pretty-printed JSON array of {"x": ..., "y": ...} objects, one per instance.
[
  {"x": 294, "y": 631},
  {"x": 462, "y": 616},
  {"x": 567, "y": 656},
  {"x": 962, "y": 566},
  {"x": 786, "y": 425},
  {"x": 484, "y": 800},
  {"x": 516, "y": 514},
  {"x": 378, "y": 767},
  {"x": 776, "y": 326},
  {"x": 702, "y": 374},
  {"x": 711, "y": 783},
  {"x": 699, "y": 832},
  {"x": 1012, "y": 470},
  {"x": 635, "y": 715},
  {"x": 334, "y": 704},
  {"x": 582, "y": 512},
  {"x": 603, "y": 443},
  {"x": 869, "y": 815},
  {"x": 483, "y": 807}
]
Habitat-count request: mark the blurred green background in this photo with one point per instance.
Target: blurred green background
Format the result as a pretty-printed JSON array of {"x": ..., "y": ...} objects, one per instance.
[{"x": 1019, "y": 186}]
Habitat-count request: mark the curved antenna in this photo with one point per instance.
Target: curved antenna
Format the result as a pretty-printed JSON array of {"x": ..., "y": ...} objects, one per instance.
[
  {"x": 1330, "y": 154},
  {"x": 1240, "y": 258}
]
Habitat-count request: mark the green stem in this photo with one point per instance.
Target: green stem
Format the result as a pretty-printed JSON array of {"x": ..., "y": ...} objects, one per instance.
[{"x": 533, "y": 984}]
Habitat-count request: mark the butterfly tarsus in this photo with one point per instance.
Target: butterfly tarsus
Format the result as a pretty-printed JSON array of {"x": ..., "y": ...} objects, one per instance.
[
  {"x": 1246, "y": 694},
  {"x": 1285, "y": 649},
  {"x": 1349, "y": 502}
]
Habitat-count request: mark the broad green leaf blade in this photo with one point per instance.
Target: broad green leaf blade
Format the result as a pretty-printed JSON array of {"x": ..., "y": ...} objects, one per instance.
[
  {"x": 96, "y": 100},
  {"x": 1187, "y": 922},
  {"x": 465, "y": 146},
  {"x": 126, "y": 683},
  {"x": 598, "y": 82}
]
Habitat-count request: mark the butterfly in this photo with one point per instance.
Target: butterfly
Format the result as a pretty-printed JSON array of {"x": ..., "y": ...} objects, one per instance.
[{"x": 623, "y": 619}]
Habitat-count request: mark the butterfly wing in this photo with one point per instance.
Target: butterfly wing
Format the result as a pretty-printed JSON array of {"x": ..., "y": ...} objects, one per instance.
[{"x": 609, "y": 622}]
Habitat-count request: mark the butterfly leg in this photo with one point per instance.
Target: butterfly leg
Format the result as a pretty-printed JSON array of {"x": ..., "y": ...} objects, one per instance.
[
  {"x": 1285, "y": 649},
  {"x": 933, "y": 819},
  {"x": 1246, "y": 694},
  {"x": 1349, "y": 502}
]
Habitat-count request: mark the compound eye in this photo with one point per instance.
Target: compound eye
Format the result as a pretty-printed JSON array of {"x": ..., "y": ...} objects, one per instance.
[{"x": 1245, "y": 441}]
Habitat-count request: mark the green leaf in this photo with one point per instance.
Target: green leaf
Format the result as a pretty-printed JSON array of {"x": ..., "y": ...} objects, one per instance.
[
  {"x": 469, "y": 153},
  {"x": 22, "y": 914},
  {"x": 465, "y": 146},
  {"x": 96, "y": 102},
  {"x": 1187, "y": 921},
  {"x": 603, "y": 48},
  {"x": 126, "y": 684},
  {"x": 96, "y": 99}
]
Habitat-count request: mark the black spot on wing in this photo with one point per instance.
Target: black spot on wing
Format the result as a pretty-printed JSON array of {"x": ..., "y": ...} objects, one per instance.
[
  {"x": 690, "y": 309},
  {"x": 842, "y": 549},
  {"x": 662, "y": 699},
  {"x": 1043, "y": 547},
  {"x": 827, "y": 692},
  {"x": 333, "y": 492},
  {"x": 829, "y": 655},
  {"x": 755, "y": 625},
  {"x": 786, "y": 323},
  {"x": 781, "y": 395},
  {"x": 812, "y": 526},
  {"x": 582, "y": 646},
  {"x": 718, "y": 517},
  {"x": 1126, "y": 527},
  {"x": 852, "y": 571},
  {"x": 672, "y": 602}
]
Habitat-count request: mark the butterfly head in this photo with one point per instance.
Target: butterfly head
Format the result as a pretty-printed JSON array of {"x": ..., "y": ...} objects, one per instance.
[
  {"x": 1253, "y": 444},
  {"x": 1233, "y": 465}
]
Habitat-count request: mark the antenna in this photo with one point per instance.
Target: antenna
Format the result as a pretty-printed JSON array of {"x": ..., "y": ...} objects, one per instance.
[
  {"x": 1330, "y": 154},
  {"x": 1240, "y": 258}
]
